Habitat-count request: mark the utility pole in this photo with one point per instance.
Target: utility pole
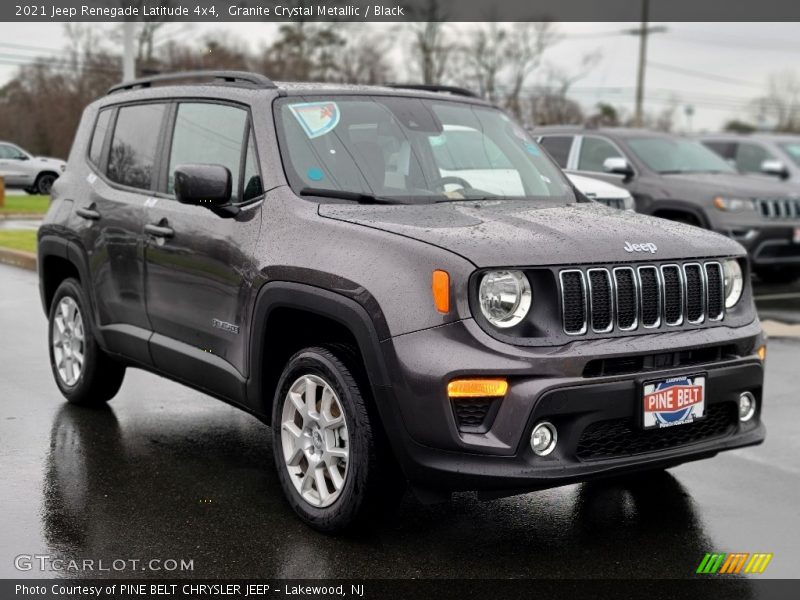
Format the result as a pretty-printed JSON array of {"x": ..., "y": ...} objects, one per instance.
[
  {"x": 642, "y": 32},
  {"x": 128, "y": 59}
]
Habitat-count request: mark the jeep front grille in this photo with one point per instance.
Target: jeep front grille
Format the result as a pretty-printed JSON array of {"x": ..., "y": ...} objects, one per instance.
[
  {"x": 628, "y": 298},
  {"x": 779, "y": 208}
]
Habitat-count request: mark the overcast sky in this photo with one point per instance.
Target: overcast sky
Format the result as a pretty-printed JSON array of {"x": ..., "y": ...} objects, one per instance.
[{"x": 717, "y": 68}]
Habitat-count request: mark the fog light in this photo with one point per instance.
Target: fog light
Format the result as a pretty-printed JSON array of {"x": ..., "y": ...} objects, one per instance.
[
  {"x": 747, "y": 406},
  {"x": 543, "y": 439}
]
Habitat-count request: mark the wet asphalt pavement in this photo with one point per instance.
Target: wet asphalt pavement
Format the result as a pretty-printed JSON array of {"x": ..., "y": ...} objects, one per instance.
[{"x": 168, "y": 473}]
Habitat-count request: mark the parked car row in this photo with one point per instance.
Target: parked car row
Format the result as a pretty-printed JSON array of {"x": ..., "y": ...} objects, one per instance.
[{"x": 684, "y": 180}]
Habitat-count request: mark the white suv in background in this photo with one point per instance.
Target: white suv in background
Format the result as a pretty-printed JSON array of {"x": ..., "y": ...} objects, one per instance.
[
  {"x": 602, "y": 191},
  {"x": 488, "y": 168},
  {"x": 20, "y": 169}
]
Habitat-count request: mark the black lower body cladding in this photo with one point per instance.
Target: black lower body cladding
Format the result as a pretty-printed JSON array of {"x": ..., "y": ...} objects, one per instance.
[{"x": 598, "y": 418}]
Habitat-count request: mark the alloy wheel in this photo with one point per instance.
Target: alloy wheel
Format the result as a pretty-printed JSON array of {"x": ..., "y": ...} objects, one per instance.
[
  {"x": 315, "y": 440},
  {"x": 69, "y": 342}
]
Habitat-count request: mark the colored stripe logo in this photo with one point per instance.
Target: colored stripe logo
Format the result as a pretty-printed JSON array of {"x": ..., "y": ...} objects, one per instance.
[{"x": 734, "y": 563}]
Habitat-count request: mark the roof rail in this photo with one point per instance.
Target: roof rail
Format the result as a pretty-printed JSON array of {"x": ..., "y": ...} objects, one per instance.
[
  {"x": 255, "y": 79},
  {"x": 447, "y": 89}
]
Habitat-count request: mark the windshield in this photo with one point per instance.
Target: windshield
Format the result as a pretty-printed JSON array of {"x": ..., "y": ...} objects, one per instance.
[
  {"x": 793, "y": 150},
  {"x": 676, "y": 155},
  {"x": 412, "y": 150}
]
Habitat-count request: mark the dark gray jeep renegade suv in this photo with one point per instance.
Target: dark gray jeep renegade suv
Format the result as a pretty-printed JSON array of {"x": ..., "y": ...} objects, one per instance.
[{"x": 399, "y": 307}]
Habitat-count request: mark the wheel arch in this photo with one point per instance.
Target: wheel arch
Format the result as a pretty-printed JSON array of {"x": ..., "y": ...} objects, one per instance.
[
  {"x": 58, "y": 259},
  {"x": 315, "y": 316},
  {"x": 668, "y": 209}
]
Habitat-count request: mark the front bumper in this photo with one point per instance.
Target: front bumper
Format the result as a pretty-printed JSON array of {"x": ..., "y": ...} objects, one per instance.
[
  {"x": 768, "y": 246},
  {"x": 596, "y": 416}
]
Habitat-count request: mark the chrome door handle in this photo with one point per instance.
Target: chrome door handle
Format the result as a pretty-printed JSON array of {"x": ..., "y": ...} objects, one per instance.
[
  {"x": 160, "y": 231},
  {"x": 88, "y": 213}
]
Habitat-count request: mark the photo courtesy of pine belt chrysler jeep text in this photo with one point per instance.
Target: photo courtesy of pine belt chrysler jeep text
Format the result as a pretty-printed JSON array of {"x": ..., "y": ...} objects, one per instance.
[{"x": 402, "y": 309}]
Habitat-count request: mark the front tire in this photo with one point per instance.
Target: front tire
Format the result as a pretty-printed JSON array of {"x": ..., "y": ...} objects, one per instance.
[
  {"x": 324, "y": 442},
  {"x": 83, "y": 372}
]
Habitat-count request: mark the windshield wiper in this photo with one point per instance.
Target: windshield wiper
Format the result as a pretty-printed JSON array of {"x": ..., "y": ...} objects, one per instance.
[
  {"x": 359, "y": 197},
  {"x": 691, "y": 171}
]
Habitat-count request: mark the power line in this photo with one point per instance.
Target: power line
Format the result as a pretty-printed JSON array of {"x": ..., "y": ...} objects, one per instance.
[
  {"x": 28, "y": 48},
  {"x": 703, "y": 75}
]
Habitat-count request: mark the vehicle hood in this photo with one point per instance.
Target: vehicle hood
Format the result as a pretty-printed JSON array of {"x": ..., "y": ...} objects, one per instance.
[
  {"x": 524, "y": 233},
  {"x": 594, "y": 188},
  {"x": 733, "y": 184},
  {"x": 49, "y": 159}
]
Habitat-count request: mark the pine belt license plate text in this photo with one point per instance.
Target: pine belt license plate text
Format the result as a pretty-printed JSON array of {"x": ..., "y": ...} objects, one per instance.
[{"x": 674, "y": 401}]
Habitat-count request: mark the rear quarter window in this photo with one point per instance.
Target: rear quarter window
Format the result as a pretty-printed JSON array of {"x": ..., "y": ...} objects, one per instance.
[{"x": 99, "y": 135}]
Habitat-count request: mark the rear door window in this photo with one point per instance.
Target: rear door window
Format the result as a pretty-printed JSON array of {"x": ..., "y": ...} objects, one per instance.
[
  {"x": 558, "y": 147},
  {"x": 726, "y": 150},
  {"x": 131, "y": 161}
]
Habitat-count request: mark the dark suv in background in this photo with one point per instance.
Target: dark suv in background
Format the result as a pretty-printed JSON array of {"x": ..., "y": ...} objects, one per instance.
[
  {"x": 680, "y": 179},
  {"x": 766, "y": 154},
  {"x": 323, "y": 257}
]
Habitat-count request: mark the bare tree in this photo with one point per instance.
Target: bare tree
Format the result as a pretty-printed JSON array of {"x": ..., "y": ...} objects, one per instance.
[
  {"x": 219, "y": 51},
  {"x": 304, "y": 51},
  {"x": 364, "y": 59},
  {"x": 780, "y": 107},
  {"x": 484, "y": 53},
  {"x": 549, "y": 102},
  {"x": 431, "y": 45},
  {"x": 526, "y": 45},
  {"x": 40, "y": 108}
]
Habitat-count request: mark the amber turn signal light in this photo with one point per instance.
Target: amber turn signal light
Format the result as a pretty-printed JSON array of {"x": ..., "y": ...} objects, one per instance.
[
  {"x": 762, "y": 353},
  {"x": 440, "y": 285},
  {"x": 477, "y": 388}
]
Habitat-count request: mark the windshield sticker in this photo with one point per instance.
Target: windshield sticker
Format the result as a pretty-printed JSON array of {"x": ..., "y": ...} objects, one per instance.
[
  {"x": 437, "y": 140},
  {"x": 316, "y": 118},
  {"x": 315, "y": 174},
  {"x": 532, "y": 149}
]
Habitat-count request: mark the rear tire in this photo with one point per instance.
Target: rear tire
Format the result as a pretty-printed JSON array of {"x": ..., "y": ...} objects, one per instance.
[
  {"x": 327, "y": 450},
  {"x": 778, "y": 274},
  {"x": 83, "y": 372}
]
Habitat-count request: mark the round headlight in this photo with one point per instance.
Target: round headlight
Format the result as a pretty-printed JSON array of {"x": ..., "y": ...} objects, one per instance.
[
  {"x": 734, "y": 282},
  {"x": 505, "y": 297}
]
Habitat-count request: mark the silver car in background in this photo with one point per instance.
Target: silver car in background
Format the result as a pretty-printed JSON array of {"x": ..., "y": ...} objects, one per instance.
[
  {"x": 20, "y": 169},
  {"x": 769, "y": 154}
]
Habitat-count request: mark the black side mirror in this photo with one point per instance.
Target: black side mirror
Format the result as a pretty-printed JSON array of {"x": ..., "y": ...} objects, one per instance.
[
  {"x": 203, "y": 185},
  {"x": 23, "y": 157}
]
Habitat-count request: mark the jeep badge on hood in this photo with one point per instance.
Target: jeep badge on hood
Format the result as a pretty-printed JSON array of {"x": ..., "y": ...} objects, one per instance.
[{"x": 648, "y": 247}]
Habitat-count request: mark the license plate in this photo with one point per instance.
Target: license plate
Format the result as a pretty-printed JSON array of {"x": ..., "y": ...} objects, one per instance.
[
  {"x": 672, "y": 402},
  {"x": 797, "y": 235}
]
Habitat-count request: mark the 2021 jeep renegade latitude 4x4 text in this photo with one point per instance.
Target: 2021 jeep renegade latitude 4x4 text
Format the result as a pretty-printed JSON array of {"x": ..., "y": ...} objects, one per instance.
[{"x": 400, "y": 308}]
